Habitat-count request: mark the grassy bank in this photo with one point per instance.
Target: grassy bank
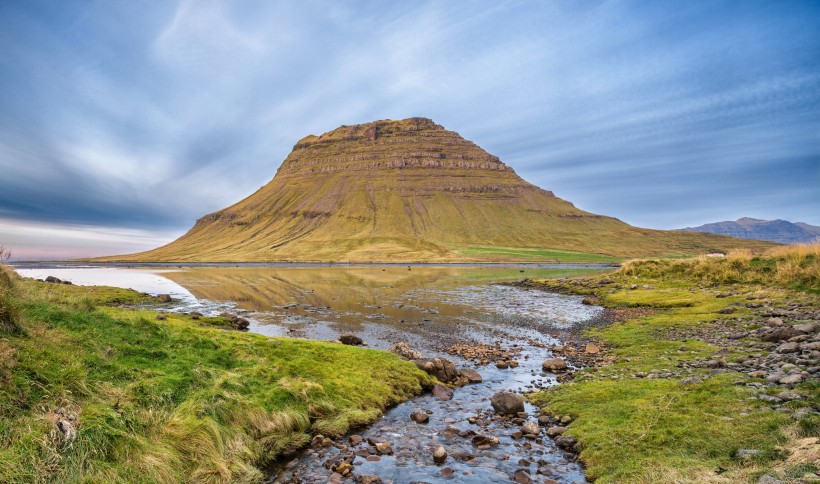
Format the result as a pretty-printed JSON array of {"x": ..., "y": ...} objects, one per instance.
[
  {"x": 688, "y": 393},
  {"x": 92, "y": 392}
]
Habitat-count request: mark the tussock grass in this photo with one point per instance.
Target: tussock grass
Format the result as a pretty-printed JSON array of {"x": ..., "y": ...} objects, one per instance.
[
  {"x": 793, "y": 266},
  {"x": 170, "y": 401},
  {"x": 658, "y": 430}
]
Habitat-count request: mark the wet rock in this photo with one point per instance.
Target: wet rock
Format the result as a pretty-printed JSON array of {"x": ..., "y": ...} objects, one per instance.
[
  {"x": 439, "y": 455},
  {"x": 554, "y": 365},
  {"x": 441, "y": 368},
  {"x": 566, "y": 442},
  {"x": 471, "y": 375},
  {"x": 383, "y": 448},
  {"x": 522, "y": 477},
  {"x": 556, "y": 431},
  {"x": 507, "y": 403},
  {"x": 419, "y": 417},
  {"x": 530, "y": 428},
  {"x": 370, "y": 479},
  {"x": 240, "y": 323},
  {"x": 344, "y": 469},
  {"x": 501, "y": 365},
  {"x": 355, "y": 439},
  {"x": 164, "y": 298},
  {"x": 485, "y": 440},
  {"x": 404, "y": 351},
  {"x": 447, "y": 472},
  {"x": 589, "y": 301},
  {"x": 350, "y": 339},
  {"x": 442, "y": 392}
]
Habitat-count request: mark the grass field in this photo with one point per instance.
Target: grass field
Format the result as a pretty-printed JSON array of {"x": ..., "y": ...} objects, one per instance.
[
  {"x": 93, "y": 393},
  {"x": 637, "y": 429},
  {"x": 537, "y": 255}
]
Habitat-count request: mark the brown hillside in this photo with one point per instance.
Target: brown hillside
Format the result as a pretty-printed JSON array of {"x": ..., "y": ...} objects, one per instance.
[{"x": 410, "y": 190}]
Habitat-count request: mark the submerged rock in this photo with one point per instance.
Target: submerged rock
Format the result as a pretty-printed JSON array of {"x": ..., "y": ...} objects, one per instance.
[{"x": 442, "y": 392}]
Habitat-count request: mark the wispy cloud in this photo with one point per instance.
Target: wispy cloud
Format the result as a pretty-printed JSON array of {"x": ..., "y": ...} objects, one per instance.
[{"x": 145, "y": 117}]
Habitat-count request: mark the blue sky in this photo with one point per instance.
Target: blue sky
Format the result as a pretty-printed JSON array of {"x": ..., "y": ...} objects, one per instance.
[{"x": 122, "y": 122}]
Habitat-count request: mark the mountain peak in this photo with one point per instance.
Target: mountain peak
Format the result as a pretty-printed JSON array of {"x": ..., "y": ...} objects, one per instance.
[{"x": 370, "y": 131}]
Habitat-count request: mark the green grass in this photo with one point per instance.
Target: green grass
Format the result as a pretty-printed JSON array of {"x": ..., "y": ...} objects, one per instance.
[
  {"x": 657, "y": 430},
  {"x": 170, "y": 401},
  {"x": 536, "y": 255}
]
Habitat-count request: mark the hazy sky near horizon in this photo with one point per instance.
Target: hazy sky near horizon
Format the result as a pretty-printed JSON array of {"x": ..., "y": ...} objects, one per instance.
[{"x": 123, "y": 122}]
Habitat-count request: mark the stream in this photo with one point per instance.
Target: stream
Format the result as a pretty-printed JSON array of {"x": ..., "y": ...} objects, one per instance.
[{"x": 431, "y": 308}]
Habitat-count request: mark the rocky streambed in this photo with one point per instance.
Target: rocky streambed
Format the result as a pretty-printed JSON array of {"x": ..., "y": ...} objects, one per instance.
[{"x": 481, "y": 430}]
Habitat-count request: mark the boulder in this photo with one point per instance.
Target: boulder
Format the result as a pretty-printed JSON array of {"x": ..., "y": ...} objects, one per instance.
[
  {"x": 54, "y": 280},
  {"x": 507, "y": 403},
  {"x": 554, "y": 365},
  {"x": 780, "y": 334},
  {"x": 350, "y": 339}
]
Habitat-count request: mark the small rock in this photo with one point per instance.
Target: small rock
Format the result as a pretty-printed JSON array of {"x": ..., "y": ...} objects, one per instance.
[
  {"x": 404, "y": 351},
  {"x": 592, "y": 349},
  {"x": 767, "y": 479},
  {"x": 792, "y": 379},
  {"x": 530, "y": 428},
  {"x": 471, "y": 375},
  {"x": 419, "y": 417},
  {"x": 789, "y": 396},
  {"x": 164, "y": 298},
  {"x": 566, "y": 442},
  {"x": 447, "y": 472},
  {"x": 442, "y": 392},
  {"x": 554, "y": 365},
  {"x": 501, "y": 365},
  {"x": 350, "y": 339},
  {"x": 522, "y": 477},
  {"x": 161, "y": 317},
  {"x": 788, "y": 348},
  {"x": 556, "y": 431},
  {"x": 439, "y": 455},
  {"x": 488, "y": 440},
  {"x": 383, "y": 448},
  {"x": 370, "y": 479},
  {"x": 744, "y": 454},
  {"x": 566, "y": 419},
  {"x": 355, "y": 439}
]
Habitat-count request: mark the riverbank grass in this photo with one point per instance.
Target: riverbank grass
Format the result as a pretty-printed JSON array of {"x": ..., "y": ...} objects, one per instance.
[
  {"x": 632, "y": 427},
  {"x": 95, "y": 393}
]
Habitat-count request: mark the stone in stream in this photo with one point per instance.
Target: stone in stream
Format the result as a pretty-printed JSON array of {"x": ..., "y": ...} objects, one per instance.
[
  {"x": 439, "y": 455},
  {"x": 419, "y": 417},
  {"x": 471, "y": 375},
  {"x": 441, "y": 368},
  {"x": 355, "y": 439},
  {"x": 370, "y": 479},
  {"x": 530, "y": 428},
  {"x": 485, "y": 440},
  {"x": 442, "y": 392},
  {"x": 350, "y": 339},
  {"x": 164, "y": 298},
  {"x": 554, "y": 365},
  {"x": 522, "y": 477},
  {"x": 556, "y": 431},
  {"x": 501, "y": 365},
  {"x": 447, "y": 472},
  {"x": 566, "y": 442},
  {"x": 382, "y": 448},
  {"x": 507, "y": 403}
]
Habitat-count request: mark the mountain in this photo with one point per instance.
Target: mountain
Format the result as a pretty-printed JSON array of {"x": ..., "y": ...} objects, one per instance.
[
  {"x": 779, "y": 231},
  {"x": 410, "y": 190}
]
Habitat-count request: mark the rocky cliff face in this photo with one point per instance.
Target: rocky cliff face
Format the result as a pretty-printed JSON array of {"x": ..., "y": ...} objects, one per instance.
[
  {"x": 406, "y": 190},
  {"x": 779, "y": 231}
]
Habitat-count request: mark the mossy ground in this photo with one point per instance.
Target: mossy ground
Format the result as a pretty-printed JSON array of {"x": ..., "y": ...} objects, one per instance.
[
  {"x": 179, "y": 400},
  {"x": 659, "y": 430},
  {"x": 536, "y": 255}
]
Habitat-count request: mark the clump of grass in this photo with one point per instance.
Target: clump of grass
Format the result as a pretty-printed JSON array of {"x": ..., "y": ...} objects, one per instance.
[
  {"x": 793, "y": 266},
  {"x": 172, "y": 400},
  {"x": 9, "y": 313}
]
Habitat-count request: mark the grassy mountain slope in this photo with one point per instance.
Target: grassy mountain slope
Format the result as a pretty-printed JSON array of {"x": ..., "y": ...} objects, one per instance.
[{"x": 409, "y": 191}]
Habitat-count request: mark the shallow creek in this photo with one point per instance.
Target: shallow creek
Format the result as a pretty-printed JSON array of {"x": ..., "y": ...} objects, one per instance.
[{"x": 430, "y": 308}]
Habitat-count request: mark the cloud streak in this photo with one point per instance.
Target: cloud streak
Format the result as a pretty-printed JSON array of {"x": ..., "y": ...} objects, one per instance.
[{"x": 145, "y": 117}]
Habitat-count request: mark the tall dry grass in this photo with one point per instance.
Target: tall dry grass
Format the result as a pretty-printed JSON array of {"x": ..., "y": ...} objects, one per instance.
[
  {"x": 9, "y": 314},
  {"x": 796, "y": 266}
]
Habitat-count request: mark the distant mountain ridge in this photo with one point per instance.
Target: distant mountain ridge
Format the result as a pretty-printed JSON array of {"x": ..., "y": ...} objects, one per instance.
[
  {"x": 411, "y": 190},
  {"x": 780, "y": 231}
]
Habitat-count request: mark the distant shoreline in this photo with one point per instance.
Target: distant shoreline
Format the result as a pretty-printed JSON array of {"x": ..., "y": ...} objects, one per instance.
[{"x": 78, "y": 264}]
